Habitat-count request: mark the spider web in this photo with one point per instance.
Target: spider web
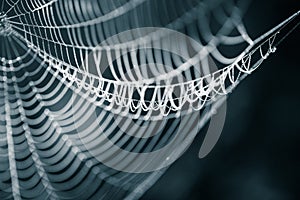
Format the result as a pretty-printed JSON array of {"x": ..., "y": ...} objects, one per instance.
[{"x": 56, "y": 107}]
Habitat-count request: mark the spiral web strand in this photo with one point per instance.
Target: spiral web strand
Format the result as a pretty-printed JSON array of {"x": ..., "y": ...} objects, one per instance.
[{"x": 60, "y": 113}]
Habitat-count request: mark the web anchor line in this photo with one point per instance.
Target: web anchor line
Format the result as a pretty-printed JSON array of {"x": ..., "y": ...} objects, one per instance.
[{"x": 190, "y": 91}]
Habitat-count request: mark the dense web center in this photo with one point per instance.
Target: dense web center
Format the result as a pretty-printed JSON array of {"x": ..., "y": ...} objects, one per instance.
[{"x": 5, "y": 27}]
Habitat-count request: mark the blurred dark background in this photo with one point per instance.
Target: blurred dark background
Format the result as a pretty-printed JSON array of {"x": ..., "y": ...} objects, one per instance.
[{"x": 257, "y": 156}]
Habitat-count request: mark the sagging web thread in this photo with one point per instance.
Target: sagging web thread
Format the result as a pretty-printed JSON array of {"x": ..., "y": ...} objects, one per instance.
[{"x": 54, "y": 105}]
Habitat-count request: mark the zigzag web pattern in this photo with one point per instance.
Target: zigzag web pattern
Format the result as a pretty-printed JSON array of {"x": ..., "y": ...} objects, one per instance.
[{"x": 75, "y": 74}]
